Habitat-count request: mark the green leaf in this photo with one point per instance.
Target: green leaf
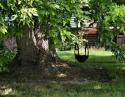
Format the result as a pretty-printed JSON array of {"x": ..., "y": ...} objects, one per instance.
[
  {"x": 3, "y": 29},
  {"x": 56, "y": 6},
  {"x": 14, "y": 17},
  {"x": 34, "y": 11}
]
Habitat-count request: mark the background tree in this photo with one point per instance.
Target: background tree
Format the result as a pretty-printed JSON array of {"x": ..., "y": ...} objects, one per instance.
[{"x": 107, "y": 14}]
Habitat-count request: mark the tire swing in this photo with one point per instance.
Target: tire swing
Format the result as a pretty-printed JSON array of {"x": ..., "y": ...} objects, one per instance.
[{"x": 78, "y": 57}]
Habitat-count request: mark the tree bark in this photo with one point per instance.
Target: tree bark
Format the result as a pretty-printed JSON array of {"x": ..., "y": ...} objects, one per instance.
[{"x": 33, "y": 48}]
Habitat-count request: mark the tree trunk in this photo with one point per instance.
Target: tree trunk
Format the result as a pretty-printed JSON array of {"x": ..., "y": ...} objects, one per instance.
[
  {"x": 28, "y": 53},
  {"x": 33, "y": 49}
]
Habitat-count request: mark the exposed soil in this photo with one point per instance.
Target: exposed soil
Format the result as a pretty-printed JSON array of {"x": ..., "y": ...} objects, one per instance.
[{"x": 57, "y": 72}]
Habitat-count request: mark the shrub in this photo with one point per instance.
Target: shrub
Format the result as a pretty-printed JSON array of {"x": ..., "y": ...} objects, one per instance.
[{"x": 6, "y": 57}]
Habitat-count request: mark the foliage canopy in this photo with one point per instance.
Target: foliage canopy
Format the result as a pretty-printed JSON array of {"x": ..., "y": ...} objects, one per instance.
[{"x": 53, "y": 15}]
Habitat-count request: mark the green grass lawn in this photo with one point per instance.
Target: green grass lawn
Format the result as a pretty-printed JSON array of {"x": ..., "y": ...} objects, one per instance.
[
  {"x": 98, "y": 58},
  {"x": 93, "y": 88}
]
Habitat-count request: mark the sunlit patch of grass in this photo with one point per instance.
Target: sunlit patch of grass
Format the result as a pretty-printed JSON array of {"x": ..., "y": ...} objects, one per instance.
[
  {"x": 97, "y": 58},
  {"x": 94, "y": 55}
]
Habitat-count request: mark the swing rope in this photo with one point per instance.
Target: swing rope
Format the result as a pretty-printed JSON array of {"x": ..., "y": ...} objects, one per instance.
[{"x": 78, "y": 57}]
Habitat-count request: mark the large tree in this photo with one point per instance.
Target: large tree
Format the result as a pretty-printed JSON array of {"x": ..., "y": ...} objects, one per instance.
[{"x": 37, "y": 26}]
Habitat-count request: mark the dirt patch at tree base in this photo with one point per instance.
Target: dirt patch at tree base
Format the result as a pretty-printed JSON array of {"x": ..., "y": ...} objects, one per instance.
[
  {"x": 65, "y": 72},
  {"x": 58, "y": 72}
]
